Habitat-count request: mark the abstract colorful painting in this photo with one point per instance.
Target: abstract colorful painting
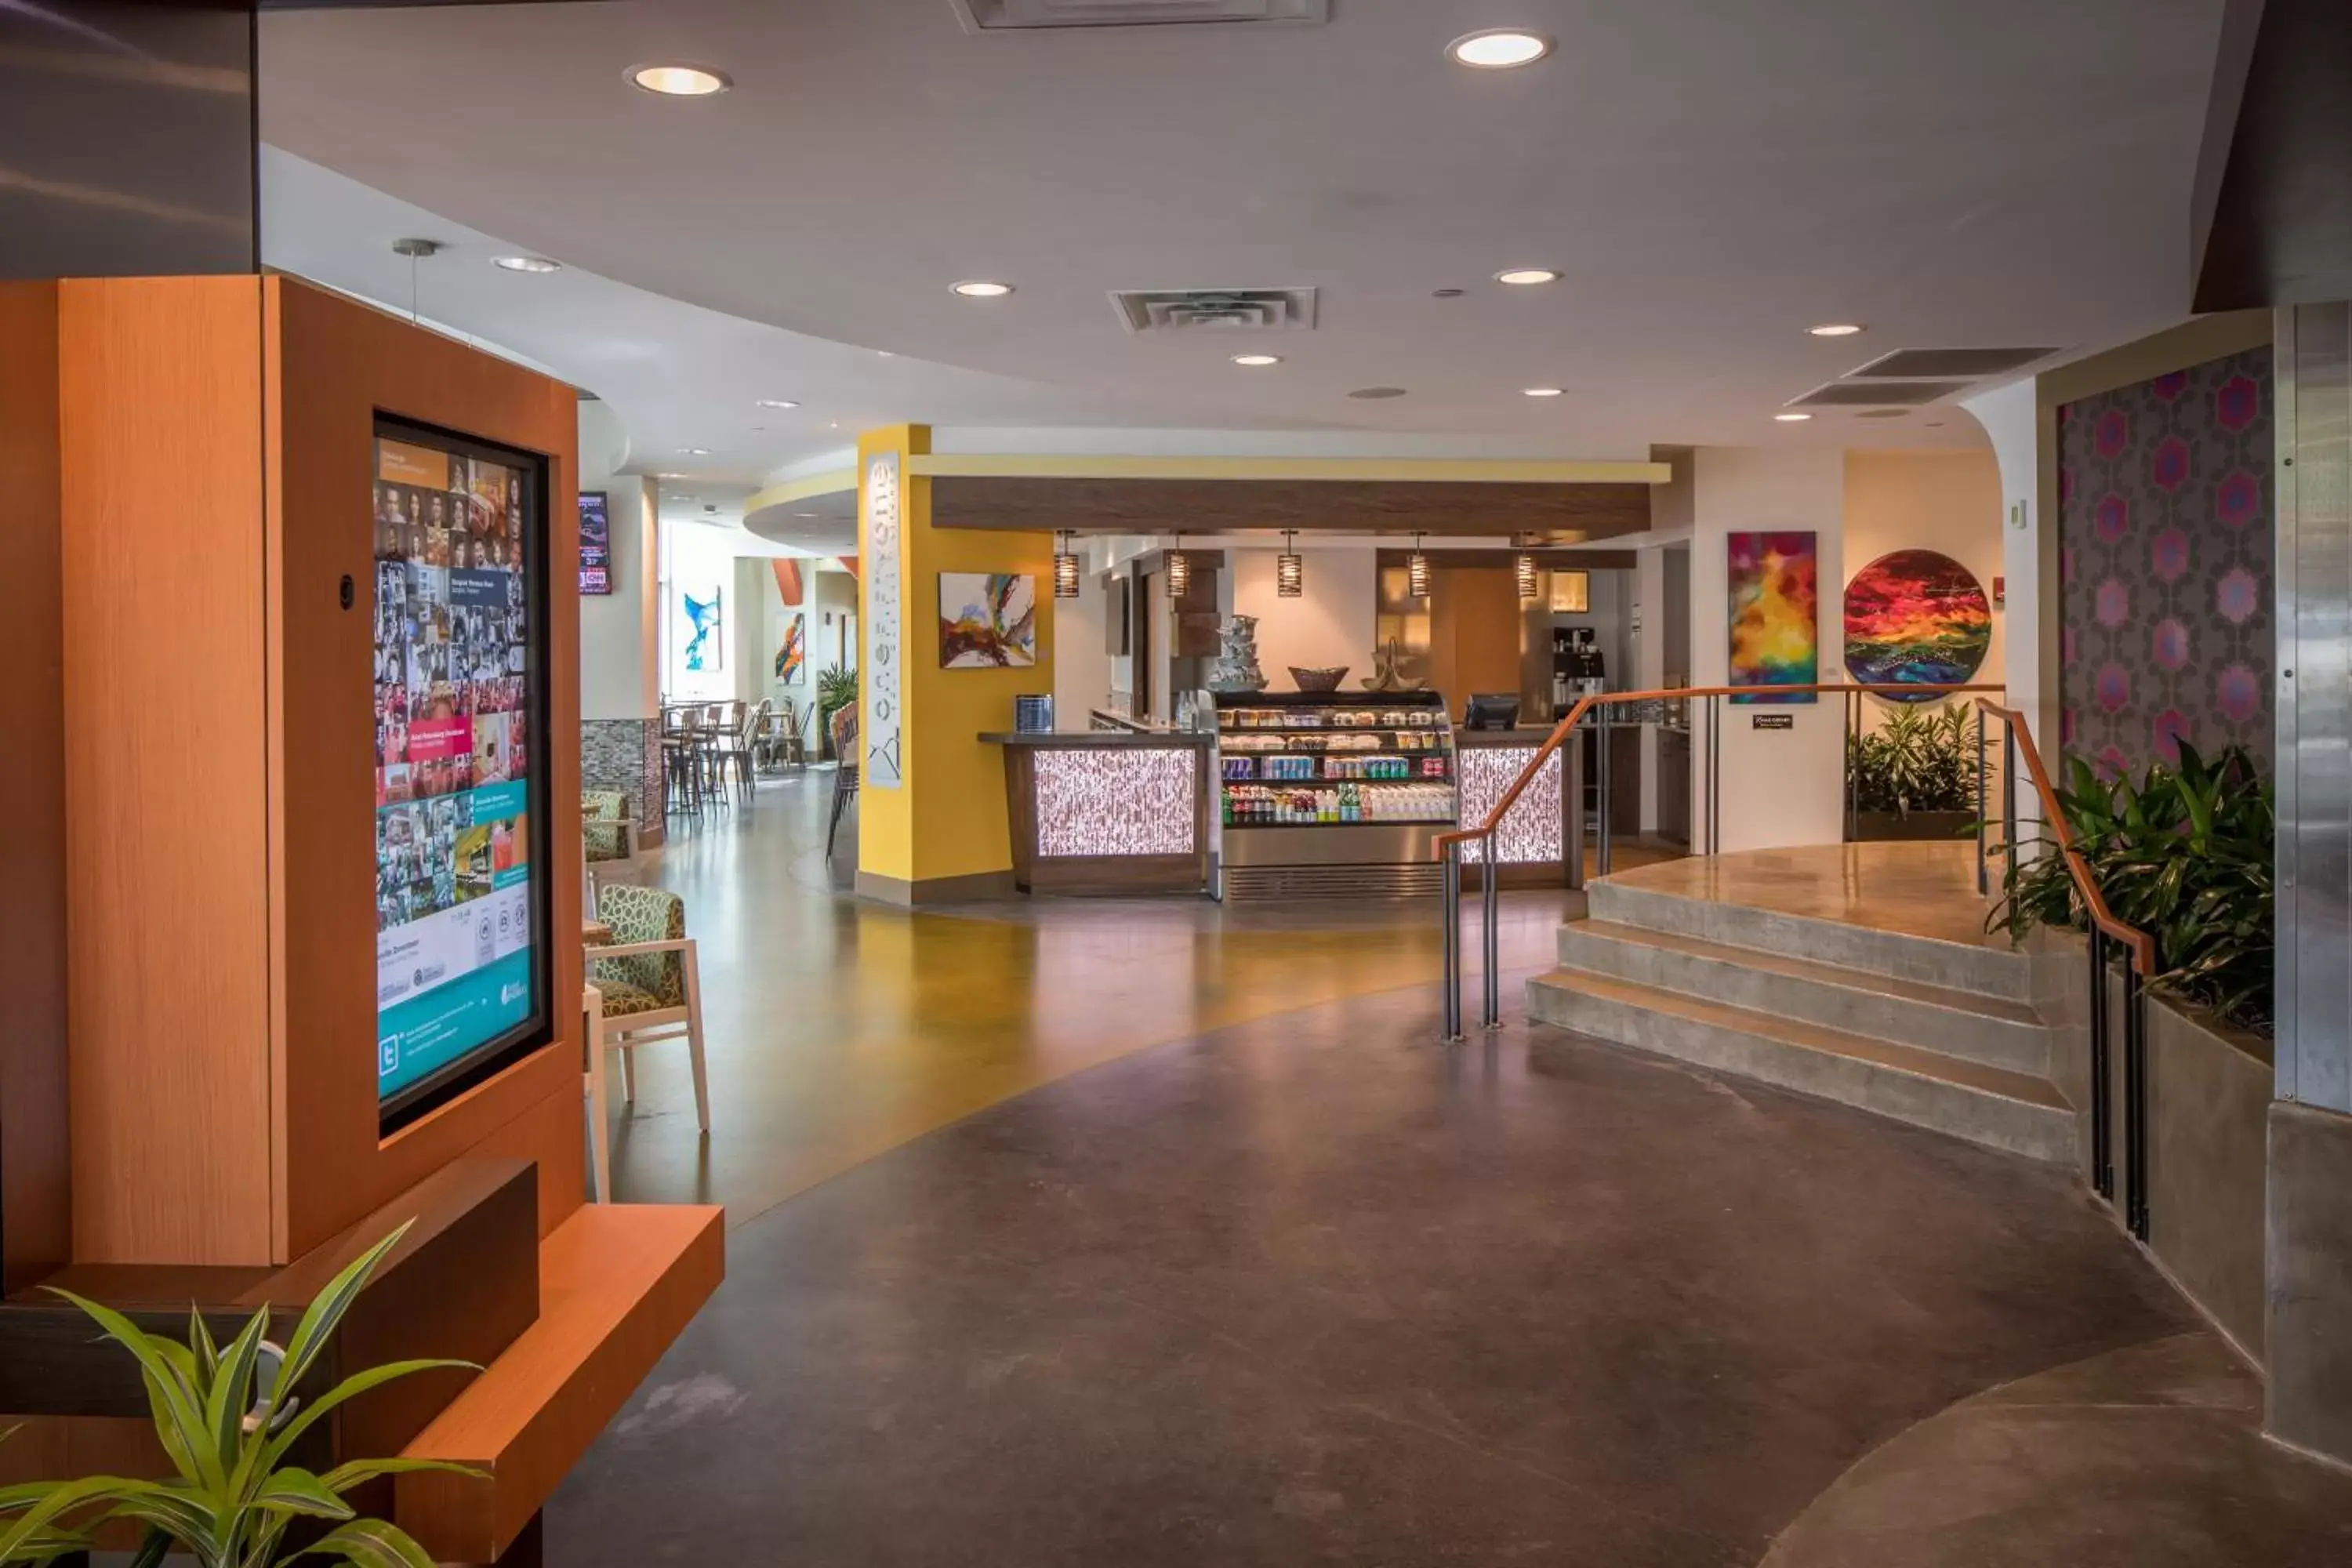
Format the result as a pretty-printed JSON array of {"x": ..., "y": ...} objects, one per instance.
[
  {"x": 987, "y": 621},
  {"x": 791, "y": 654},
  {"x": 706, "y": 647},
  {"x": 1916, "y": 618},
  {"x": 1775, "y": 601}
]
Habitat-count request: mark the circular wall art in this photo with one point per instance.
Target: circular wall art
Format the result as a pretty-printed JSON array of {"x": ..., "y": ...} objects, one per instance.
[{"x": 1916, "y": 618}]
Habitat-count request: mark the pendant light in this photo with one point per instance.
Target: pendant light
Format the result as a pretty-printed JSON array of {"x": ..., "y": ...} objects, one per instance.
[
  {"x": 1289, "y": 571},
  {"x": 1416, "y": 572},
  {"x": 1066, "y": 567},
  {"x": 1524, "y": 569},
  {"x": 1179, "y": 570}
]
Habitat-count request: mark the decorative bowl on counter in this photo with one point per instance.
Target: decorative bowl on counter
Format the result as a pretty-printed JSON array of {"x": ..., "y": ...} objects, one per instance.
[{"x": 1326, "y": 679}]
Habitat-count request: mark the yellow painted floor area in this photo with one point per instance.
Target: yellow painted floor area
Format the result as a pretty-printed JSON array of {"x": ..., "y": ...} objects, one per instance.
[
  {"x": 839, "y": 1028},
  {"x": 1917, "y": 890}
]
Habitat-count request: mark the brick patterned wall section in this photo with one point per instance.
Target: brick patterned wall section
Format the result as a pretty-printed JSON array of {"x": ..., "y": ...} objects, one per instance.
[{"x": 625, "y": 755}]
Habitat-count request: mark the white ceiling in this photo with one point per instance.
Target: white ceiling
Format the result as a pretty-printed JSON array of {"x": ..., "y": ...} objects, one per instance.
[{"x": 1711, "y": 176}]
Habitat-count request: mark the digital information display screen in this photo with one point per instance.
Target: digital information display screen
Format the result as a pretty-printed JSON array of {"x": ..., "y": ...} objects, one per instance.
[
  {"x": 595, "y": 544},
  {"x": 455, "y": 912}
]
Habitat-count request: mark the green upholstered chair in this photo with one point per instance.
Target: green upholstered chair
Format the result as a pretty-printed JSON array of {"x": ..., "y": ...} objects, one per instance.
[
  {"x": 605, "y": 823},
  {"x": 642, "y": 988}
]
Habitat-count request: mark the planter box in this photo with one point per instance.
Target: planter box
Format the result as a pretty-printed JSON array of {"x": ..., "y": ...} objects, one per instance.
[
  {"x": 2209, "y": 1089},
  {"x": 1882, "y": 826}
]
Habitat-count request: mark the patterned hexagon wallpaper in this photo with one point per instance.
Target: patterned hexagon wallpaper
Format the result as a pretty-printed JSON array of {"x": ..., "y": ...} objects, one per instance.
[{"x": 2166, "y": 497}]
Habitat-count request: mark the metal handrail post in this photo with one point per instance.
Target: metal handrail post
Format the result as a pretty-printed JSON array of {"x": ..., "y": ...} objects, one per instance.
[
  {"x": 1983, "y": 890},
  {"x": 1714, "y": 776},
  {"x": 2009, "y": 800},
  {"x": 1491, "y": 946},
  {"x": 1852, "y": 703},
  {"x": 1601, "y": 727},
  {"x": 1451, "y": 883},
  {"x": 2102, "y": 1168},
  {"x": 2134, "y": 1103}
]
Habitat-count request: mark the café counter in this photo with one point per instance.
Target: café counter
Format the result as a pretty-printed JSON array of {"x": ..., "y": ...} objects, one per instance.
[
  {"x": 1108, "y": 811},
  {"x": 1547, "y": 816}
]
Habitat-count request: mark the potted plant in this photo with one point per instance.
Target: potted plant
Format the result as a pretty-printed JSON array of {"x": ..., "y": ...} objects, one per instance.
[
  {"x": 1915, "y": 777},
  {"x": 837, "y": 688},
  {"x": 2184, "y": 854},
  {"x": 236, "y": 1498}
]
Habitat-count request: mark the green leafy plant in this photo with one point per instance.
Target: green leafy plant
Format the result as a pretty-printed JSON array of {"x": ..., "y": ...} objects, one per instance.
[
  {"x": 1919, "y": 758},
  {"x": 2184, "y": 854},
  {"x": 836, "y": 688},
  {"x": 234, "y": 1497}
]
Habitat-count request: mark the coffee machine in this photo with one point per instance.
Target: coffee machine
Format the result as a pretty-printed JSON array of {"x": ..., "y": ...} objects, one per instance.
[{"x": 1577, "y": 666}]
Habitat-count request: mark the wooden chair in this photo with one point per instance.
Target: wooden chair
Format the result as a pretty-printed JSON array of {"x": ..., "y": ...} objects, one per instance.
[{"x": 647, "y": 989}]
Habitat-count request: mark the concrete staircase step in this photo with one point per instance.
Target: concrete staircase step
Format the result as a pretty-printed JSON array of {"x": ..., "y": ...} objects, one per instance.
[
  {"x": 1994, "y": 1031},
  {"x": 2020, "y": 1112},
  {"x": 1989, "y": 971}
]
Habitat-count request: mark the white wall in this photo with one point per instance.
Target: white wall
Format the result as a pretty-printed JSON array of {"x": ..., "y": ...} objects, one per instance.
[
  {"x": 1779, "y": 787},
  {"x": 752, "y": 659},
  {"x": 620, "y": 664},
  {"x": 1335, "y": 621},
  {"x": 1946, "y": 501},
  {"x": 700, "y": 558},
  {"x": 2028, "y": 660},
  {"x": 1082, "y": 671}
]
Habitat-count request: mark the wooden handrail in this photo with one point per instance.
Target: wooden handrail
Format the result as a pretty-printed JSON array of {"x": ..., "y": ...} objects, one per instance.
[
  {"x": 2138, "y": 942},
  {"x": 1558, "y": 736}
]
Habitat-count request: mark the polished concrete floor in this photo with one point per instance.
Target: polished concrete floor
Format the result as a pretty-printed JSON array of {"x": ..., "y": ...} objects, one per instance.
[
  {"x": 1918, "y": 889},
  {"x": 1147, "y": 1234},
  {"x": 839, "y": 1027}
]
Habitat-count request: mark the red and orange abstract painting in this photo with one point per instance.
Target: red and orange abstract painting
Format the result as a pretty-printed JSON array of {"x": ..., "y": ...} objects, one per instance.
[{"x": 1916, "y": 618}]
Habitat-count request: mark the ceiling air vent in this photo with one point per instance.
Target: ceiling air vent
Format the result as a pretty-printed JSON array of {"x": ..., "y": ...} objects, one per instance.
[
  {"x": 1876, "y": 393},
  {"x": 1215, "y": 309},
  {"x": 1969, "y": 363},
  {"x": 1009, "y": 15}
]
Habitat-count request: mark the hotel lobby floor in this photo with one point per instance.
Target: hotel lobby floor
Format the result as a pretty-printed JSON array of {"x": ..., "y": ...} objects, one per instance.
[
  {"x": 1280, "y": 1281},
  {"x": 838, "y": 1028}
]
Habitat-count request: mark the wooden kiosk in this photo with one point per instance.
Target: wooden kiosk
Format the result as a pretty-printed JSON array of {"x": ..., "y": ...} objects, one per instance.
[{"x": 188, "y": 1108}]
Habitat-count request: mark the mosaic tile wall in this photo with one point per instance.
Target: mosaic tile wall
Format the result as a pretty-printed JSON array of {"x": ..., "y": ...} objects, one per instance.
[
  {"x": 625, "y": 755},
  {"x": 2165, "y": 501}
]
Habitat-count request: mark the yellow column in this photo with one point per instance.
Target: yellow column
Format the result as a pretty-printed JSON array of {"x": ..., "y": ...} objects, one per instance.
[{"x": 939, "y": 831}]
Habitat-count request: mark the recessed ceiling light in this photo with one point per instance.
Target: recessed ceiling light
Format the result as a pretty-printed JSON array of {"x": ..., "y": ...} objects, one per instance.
[
  {"x": 1255, "y": 362},
  {"x": 1499, "y": 49},
  {"x": 695, "y": 451},
  {"x": 1834, "y": 329},
  {"x": 1543, "y": 391},
  {"x": 775, "y": 403},
  {"x": 527, "y": 264},
  {"x": 804, "y": 514},
  {"x": 1793, "y": 417},
  {"x": 1525, "y": 276},
  {"x": 673, "y": 80},
  {"x": 979, "y": 289},
  {"x": 886, "y": 354}
]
